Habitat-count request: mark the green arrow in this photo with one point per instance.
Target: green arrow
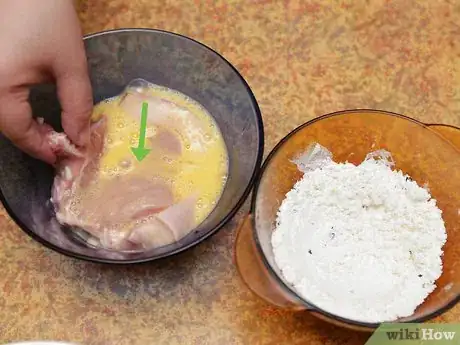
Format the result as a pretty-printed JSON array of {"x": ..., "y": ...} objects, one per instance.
[{"x": 140, "y": 151}]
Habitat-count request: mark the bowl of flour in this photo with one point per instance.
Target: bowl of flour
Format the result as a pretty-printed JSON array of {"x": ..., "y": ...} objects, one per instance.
[{"x": 355, "y": 218}]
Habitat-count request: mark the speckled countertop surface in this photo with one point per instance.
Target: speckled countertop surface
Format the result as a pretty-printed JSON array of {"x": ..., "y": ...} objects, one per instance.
[{"x": 302, "y": 59}]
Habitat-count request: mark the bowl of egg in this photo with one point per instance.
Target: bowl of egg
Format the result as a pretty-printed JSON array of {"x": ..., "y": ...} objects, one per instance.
[
  {"x": 355, "y": 218},
  {"x": 176, "y": 142}
]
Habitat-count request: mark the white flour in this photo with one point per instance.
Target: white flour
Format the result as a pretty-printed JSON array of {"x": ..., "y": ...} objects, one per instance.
[{"x": 362, "y": 242}]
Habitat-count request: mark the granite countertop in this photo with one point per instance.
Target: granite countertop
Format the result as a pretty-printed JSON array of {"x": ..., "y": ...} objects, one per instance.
[{"x": 302, "y": 59}]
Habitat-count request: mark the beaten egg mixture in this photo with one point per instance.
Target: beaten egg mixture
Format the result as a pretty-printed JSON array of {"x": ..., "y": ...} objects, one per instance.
[{"x": 202, "y": 165}]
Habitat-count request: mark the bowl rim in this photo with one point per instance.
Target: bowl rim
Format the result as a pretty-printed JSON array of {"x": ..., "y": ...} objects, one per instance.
[
  {"x": 222, "y": 222},
  {"x": 288, "y": 290}
]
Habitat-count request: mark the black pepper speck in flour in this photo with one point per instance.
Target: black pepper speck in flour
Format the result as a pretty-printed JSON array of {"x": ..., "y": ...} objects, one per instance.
[{"x": 362, "y": 242}]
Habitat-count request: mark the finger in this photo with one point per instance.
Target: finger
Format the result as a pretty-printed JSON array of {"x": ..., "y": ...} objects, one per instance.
[
  {"x": 17, "y": 124},
  {"x": 70, "y": 69},
  {"x": 75, "y": 96}
]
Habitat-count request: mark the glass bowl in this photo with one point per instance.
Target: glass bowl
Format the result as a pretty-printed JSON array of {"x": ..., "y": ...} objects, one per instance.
[
  {"x": 428, "y": 153},
  {"x": 116, "y": 58}
]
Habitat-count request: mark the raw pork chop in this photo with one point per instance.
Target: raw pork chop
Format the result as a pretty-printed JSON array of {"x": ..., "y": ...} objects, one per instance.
[{"x": 124, "y": 212}]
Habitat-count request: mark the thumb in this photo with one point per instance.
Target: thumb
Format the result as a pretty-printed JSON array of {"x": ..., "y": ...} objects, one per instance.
[{"x": 17, "y": 124}]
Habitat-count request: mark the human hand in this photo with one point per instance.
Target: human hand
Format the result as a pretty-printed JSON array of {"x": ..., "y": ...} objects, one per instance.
[{"x": 41, "y": 41}]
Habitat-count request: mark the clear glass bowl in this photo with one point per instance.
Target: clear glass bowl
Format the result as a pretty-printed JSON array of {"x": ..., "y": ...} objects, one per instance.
[
  {"x": 428, "y": 153},
  {"x": 116, "y": 58}
]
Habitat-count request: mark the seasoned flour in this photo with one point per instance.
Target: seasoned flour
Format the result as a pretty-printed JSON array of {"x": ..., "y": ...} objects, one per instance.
[{"x": 362, "y": 242}]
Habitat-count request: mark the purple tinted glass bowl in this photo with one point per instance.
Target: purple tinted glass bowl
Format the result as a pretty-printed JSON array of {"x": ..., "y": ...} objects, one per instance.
[{"x": 115, "y": 58}]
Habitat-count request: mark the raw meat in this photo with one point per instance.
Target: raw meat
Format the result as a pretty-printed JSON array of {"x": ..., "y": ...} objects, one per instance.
[
  {"x": 123, "y": 212},
  {"x": 168, "y": 141},
  {"x": 175, "y": 222},
  {"x": 75, "y": 168},
  {"x": 166, "y": 114}
]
